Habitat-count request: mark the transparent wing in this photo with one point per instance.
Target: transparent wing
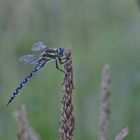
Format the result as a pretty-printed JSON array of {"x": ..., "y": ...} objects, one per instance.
[
  {"x": 28, "y": 59},
  {"x": 38, "y": 46}
]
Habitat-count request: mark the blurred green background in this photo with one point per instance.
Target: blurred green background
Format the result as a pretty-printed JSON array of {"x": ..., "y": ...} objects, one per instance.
[{"x": 98, "y": 32}]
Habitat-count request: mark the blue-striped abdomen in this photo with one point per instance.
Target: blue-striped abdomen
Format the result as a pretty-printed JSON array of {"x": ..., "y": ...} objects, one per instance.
[{"x": 28, "y": 77}]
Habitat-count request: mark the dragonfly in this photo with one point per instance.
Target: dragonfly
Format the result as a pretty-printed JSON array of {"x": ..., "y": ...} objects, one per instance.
[{"x": 46, "y": 55}]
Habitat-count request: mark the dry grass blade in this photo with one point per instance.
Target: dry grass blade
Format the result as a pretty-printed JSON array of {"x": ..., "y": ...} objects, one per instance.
[
  {"x": 122, "y": 134},
  {"x": 25, "y": 132},
  {"x": 105, "y": 108},
  {"x": 67, "y": 121}
]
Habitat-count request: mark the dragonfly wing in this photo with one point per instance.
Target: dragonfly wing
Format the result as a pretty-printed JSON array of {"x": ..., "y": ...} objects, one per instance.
[
  {"x": 28, "y": 59},
  {"x": 38, "y": 46}
]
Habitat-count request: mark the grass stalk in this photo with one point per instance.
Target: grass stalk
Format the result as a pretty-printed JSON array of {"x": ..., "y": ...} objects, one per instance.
[
  {"x": 25, "y": 132},
  {"x": 122, "y": 134},
  {"x": 67, "y": 120},
  {"x": 105, "y": 108}
]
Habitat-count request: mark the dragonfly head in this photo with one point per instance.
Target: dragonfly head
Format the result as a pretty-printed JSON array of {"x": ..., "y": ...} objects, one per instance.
[{"x": 60, "y": 52}]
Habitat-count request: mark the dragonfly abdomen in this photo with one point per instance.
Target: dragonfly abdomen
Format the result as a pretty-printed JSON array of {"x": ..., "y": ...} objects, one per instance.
[{"x": 28, "y": 77}]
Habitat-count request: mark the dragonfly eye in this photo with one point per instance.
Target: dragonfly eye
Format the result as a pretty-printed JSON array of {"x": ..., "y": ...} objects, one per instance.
[{"x": 60, "y": 51}]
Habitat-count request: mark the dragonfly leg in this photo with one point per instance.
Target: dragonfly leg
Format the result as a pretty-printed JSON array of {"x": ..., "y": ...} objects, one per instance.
[
  {"x": 57, "y": 65},
  {"x": 60, "y": 60}
]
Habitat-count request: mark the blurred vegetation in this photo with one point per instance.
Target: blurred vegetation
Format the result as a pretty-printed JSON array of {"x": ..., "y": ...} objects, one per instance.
[{"x": 98, "y": 32}]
